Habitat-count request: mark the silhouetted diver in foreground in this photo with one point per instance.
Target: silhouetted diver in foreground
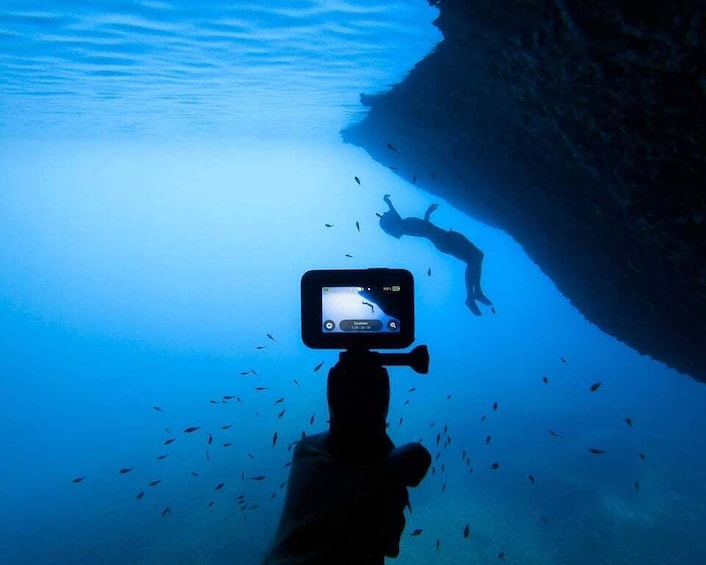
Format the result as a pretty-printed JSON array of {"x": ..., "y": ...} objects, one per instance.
[{"x": 450, "y": 242}]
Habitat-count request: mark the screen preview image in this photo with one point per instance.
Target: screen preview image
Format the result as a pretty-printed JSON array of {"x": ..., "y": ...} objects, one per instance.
[{"x": 346, "y": 309}]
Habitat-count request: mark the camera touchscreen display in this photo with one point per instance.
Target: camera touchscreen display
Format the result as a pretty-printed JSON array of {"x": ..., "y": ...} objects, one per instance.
[{"x": 361, "y": 309}]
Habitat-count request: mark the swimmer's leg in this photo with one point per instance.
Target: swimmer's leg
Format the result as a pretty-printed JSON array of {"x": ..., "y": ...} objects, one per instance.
[{"x": 470, "y": 292}]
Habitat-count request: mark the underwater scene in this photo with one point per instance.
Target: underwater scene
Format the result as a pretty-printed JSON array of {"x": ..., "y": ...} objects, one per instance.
[{"x": 170, "y": 170}]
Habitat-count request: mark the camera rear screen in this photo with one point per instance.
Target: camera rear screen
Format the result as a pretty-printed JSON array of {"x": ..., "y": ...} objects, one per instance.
[{"x": 360, "y": 309}]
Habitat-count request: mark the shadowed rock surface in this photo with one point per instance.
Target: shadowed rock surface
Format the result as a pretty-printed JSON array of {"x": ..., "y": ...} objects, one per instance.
[{"x": 579, "y": 129}]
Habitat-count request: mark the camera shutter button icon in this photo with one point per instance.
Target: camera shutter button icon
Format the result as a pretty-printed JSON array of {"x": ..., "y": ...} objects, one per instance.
[{"x": 329, "y": 325}]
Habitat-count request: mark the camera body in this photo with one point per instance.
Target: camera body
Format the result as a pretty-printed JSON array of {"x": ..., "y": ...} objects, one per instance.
[{"x": 357, "y": 308}]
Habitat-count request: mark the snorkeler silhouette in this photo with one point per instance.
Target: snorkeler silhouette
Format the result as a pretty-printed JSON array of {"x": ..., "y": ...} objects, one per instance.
[{"x": 450, "y": 242}]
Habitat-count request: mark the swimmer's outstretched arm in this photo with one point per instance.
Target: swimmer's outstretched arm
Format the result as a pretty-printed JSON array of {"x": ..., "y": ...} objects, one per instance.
[{"x": 387, "y": 200}]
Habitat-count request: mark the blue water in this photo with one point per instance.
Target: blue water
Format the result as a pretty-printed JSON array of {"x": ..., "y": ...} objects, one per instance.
[{"x": 167, "y": 171}]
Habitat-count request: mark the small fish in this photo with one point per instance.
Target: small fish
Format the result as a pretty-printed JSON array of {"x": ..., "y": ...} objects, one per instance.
[
  {"x": 329, "y": 225},
  {"x": 562, "y": 359},
  {"x": 357, "y": 180},
  {"x": 278, "y": 401},
  {"x": 405, "y": 403},
  {"x": 495, "y": 466},
  {"x": 160, "y": 457},
  {"x": 303, "y": 434},
  {"x": 191, "y": 429},
  {"x": 446, "y": 428},
  {"x": 357, "y": 226},
  {"x": 378, "y": 215},
  {"x": 219, "y": 486},
  {"x": 545, "y": 380},
  {"x": 260, "y": 347},
  {"x": 155, "y": 483},
  {"x": 637, "y": 485},
  {"x": 488, "y": 439},
  {"x": 244, "y": 372},
  {"x": 401, "y": 420},
  {"x": 210, "y": 439},
  {"x": 213, "y": 401},
  {"x": 417, "y": 532},
  {"x": 350, "y": 256},
  {"x": 318, "y": 366},
  {"x": 281, "y": 414},
  {"x": 274, "y": 439},
  {"x": 501, "y": 555},
  {"x": 432, "y": 424},
  {"x": 433, "y": 471},
  {"x": 78, "y": 480},
  {"x": 412, "y": 389},
  {"x": 443, "y": 487},
  {"x": 448, "y": 397},
  {"x": 429, "y": 272},
  {"x": 168, "y": 430},
  {"x": 391, "y": 147},
  {"x": 227, "y": 397},
  {"x": 543, "y": 519},
  {"x": 438, "y": 454},
  {"x": 296, "y": 382},
  {"x": 251, "y": 456},
  {"x": 463, "y": 455},
  {"x": 642, "y": 456},
  {"x": 208, "y": 456},
  {"x": 261, "y": 388},
  {"x": 531, "y": 478},
  {"x": 242, "y": 478},
  {"x": 240, "y": 497},
  {"x": 227, "y": 426},
  {"x": 311, "y": 420},
  {"x": 227, "y": 444},
  {"x": 125, "y": 470},
  {"x": 492, "y": 310},
  {"x": 253, "y": 372},
  {"x": 466, "y": 531},
  {"x": 258, "y": 478},
  {"x": 482, "y": 418},
  {"x": 628, "y": 421},
  {"x": 271, "y": 337},
  {"x": 211, "y": 503},
  {"x": 282, "y": 485},
  {"x": 170, "y": 440},
  {"x": 495, "y": 405},
  {"x": 166, "y": 511},
  {"x": 438, "y": 544},
  {"x": 287, "y": 464},
  {"x": 443, "y": 467},
  {"x": 438, "y": 439},
  {"x": 157, "y": 408},
  {"x": 555, "y": 434},
  {"x": 140, "y": 495},
  {"x": 194, "y": 474},
  {"x": 596, "y": 451},
  {"x": 595, "y": 386}
]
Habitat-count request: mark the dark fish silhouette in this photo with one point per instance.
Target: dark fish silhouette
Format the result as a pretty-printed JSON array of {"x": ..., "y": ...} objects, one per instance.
[
  {"x": 168, "y": 430},
  {"x": 417, "y": 532},
  {"x": 211, "y": 503},
  {"x": 227, "y": 426},
  {"x": 219, "y": 486},
  {"x": 443, "y": 467},
  {"x": 531, "y": 478},
  {"x": 227, "y": 397},
  {"x": 282, "y": 485},
  {"x": 433, "y": 471},
  {"x": 227, "y": 444},
  {"x": 432, "y": 424},
  {"x": 278, "y": 401},
  {"x": 253, "y": 372},
  {"x": 155, "y": 483},
  {"x": 596, "y": 451},
  {"x": 213, "y": 401},
  {"x": 555, "y": 434},
  {"x": 287, "y": 464},
  {"x": 495, "y": 405},
  {"x": 166, "y": 511},
  {"x": 258, "y": 478},
  {"x": 210, "y": 439},
  {"x": 488, "y": 439},
  {"x": 160, "y": 457},
  {"x": 281, "y": 413},
  {"x": 501, "y": 555},
  {"x": 260, "y": 388},
  {"x": 170, "y": 440},
  {"x": 350, "y": 256},
  {"x": 443, "y": 487},
  {"x": 391, "y": 147},
  {"x": 194, "y": 473},
  {"x": 466, "y": 531},
  {"x": 412, "y": 389},
  {"x": 642, "y": 456},
  {"x": 329, "y": 225},
  {"x": 125, "y": 470},
  {"x": 318, "y": 366},
  {"x": 545, "y": 380},
  {"x": 140, "y": 494},
  {"x": 378, "y": 215},
  {"x": 192, "y": 429},
  {"x": 357, "y": 226},
  {"x": 492, "y": 310},
  {"x": 242, "y": 478},
  {"x": 628, "y": 421},
  {"x": 208, "y": 456},
  {"x": 357, "y": 180},
  {"x": 482, "y": 418},
  {"x": 637, "y": 485},
  {"x": 260, "y": 346},
  {"x": 251, "y": 456},
  {"x": 448, "y": 397},
  {"x": 438, "y": 439},
  {"x": 405, "y": 403},
  {"x": 244, "y": 372},
  {"x": 438, "y": 544},
  {"x": 311, "y": 420},
  {"x": 157, "y": 408},
  {"x": 272, "y": 338},
  {"x": 429, "y": 272},
  {"x": 274, "y": 439},
  {"x": 401, "y": 420},
  {"x": 595, "y": 386},
  {"x": 495, "y": 465},
  {"x": 78, "y": 480},
  {"x": 295, "y": 381}
]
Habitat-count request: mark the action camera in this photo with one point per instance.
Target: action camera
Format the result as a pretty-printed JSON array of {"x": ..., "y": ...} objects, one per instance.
[{"x": 358, "y": 309}]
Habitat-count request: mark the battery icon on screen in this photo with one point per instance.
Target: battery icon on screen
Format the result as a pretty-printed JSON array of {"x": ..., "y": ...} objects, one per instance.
[{"x": 395, "y": 288}]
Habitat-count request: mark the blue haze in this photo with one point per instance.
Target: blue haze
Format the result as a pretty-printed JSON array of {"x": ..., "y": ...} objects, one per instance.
[{"x": 166, "y": 174}]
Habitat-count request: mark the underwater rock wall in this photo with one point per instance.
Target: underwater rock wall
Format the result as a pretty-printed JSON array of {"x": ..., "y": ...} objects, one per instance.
[{"x": 579, "y": 129}]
